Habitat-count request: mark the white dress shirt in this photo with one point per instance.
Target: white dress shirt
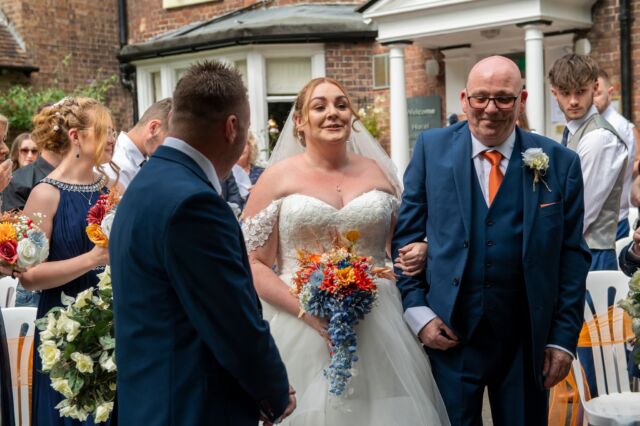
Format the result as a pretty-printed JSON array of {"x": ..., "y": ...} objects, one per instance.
[
  {"x": 128, "y": 157},
  {"x": 198, "y": 157},
  {"x": 242, "y": 180},
  {"x": 601, "y": 156},
  {"x": 418, "y": 317},
  {"x": 625, "y": 131}
]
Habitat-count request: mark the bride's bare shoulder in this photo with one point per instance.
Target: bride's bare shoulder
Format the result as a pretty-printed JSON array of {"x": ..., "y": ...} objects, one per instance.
[{"x": 273, "y": 184}]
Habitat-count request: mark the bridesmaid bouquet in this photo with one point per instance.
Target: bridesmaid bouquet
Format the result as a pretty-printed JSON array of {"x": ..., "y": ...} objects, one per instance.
[
  {"x": 100, "y": 218},
  {"x": 22, "y": 243},
  {"x": 77, "y": 348},
  {"x": 631, "y": 304},
  {"x": 337, "y": 285}
]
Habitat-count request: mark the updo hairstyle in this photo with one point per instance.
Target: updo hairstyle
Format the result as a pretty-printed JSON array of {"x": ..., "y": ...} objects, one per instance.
[
  {"x": 303, "y": 100},
  {"x": 51, "y": 125}
]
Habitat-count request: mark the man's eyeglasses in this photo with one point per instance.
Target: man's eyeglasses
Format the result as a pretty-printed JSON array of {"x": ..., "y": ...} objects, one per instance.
[
  {"x": 26, "y": 151},
  {"x": 501, "y": 102}
]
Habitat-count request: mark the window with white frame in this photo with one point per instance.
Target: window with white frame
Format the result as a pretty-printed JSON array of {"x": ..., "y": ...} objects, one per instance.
[
  {"x": 273, "y": 75},
  {"x": 381, "y": 71}
]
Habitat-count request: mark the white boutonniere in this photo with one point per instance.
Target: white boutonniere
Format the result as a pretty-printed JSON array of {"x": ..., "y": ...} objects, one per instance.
[{"x": 538, "y": 162}]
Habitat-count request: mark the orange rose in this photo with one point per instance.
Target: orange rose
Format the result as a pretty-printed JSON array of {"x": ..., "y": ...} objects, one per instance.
[{"x": 97, "y": 237}]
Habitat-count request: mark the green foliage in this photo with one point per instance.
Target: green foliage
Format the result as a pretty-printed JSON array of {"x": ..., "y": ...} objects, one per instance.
[
  {"x": 20, "y": 103},
  {"x": 370, "y": 116}
]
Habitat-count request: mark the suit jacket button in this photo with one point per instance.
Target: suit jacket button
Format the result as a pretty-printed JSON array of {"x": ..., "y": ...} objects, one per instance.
[
  {"x": 455, "y": 282},
  {"x": 466, "y": 244},
  {"x": 489, "y": 222},
  {"x": 489, "y": 243}
]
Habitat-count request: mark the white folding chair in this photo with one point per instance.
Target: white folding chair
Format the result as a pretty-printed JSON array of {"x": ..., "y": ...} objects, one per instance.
[
  {"x": 20, "y": 346},
  {"x": 621, "y": 244},
  {"x": 8, "y": 292},
  {"x": 615, "y": 403},
  {"x": 633, "y": 218}
]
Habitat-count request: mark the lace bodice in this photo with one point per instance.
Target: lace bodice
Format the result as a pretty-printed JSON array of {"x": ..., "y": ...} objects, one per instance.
[{"x": 305, "y": 222}]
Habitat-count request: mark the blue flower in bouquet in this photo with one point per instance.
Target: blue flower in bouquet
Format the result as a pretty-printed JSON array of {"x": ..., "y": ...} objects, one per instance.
[
  {"x": 37, "y": 237},
  {"x": 316, "y": 278}
]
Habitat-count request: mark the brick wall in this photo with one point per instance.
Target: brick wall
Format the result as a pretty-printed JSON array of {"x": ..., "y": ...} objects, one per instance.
[
  {"x": 605, "y": 45},
  {"x": 147, "y": 18},
  {"x": 72, "y": 42}
]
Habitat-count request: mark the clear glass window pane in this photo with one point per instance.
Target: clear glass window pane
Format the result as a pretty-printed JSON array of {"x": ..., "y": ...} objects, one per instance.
[
  {"x": 286, "y": 76},
  {"x": 380, "y": 71}
]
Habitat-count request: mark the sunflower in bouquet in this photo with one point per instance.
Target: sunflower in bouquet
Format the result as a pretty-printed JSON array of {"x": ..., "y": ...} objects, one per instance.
[
  {"x": 22, "y": 243},
  {"x": 338, "y": 285}
]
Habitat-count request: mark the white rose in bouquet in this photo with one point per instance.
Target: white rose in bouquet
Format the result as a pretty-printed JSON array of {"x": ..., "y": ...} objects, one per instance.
[
  {"x": 102, "y": 412},
  {"x": 84, "y": 363},
  {"x": 49, "y": 353},
  {"x": 28, "y": 253},
  {"x": 62, "y": 386},
  {"x": 107, "y": 222}
]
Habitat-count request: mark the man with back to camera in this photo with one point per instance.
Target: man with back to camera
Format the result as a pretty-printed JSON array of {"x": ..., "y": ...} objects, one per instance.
[{"x": 189, "y": 320}]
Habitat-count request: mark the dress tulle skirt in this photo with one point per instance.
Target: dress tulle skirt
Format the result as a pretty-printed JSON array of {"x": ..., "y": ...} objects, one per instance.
[{"x": 392, "y": 383}]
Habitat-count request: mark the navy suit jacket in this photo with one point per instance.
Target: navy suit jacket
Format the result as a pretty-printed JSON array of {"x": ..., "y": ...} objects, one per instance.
[
  {"x": 192, "y": 347},
  {"x": 436, "y": 203}
]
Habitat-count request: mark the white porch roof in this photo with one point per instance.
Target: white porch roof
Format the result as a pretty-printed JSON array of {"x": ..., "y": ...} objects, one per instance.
[{"x": 483, "y": 23}]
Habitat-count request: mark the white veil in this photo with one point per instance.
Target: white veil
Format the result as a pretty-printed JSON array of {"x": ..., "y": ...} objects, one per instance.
[{"x": 360, "y": 142}]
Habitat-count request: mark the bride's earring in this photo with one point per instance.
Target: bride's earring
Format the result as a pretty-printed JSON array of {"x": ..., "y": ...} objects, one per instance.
[{"x": 300, "y": 138}]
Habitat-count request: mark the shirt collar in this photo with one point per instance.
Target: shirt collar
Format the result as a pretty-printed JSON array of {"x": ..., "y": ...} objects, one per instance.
[
  {"x": 130, "y": 148},
  {"x": 505, "y": 148},
  {"x": 574, "y": 125},
  {"x": 198, "y": 157}
]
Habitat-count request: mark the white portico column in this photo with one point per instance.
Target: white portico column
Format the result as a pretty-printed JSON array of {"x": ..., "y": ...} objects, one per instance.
[
  {"x": 399, "y": 120},
  {"x": 534, "y": 58}
]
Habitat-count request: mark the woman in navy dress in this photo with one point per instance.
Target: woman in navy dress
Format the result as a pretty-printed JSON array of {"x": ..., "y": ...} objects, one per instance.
[{"x": 81, "y": 130}]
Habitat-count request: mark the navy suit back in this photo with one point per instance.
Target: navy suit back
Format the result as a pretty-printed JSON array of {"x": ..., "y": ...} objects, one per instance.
[
  {"x": 493, "y": 280},
  {"x": 183, "y": 355}
]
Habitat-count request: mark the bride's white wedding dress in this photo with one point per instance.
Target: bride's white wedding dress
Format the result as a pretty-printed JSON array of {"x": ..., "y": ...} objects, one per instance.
[{"x": 392, "y": 383}]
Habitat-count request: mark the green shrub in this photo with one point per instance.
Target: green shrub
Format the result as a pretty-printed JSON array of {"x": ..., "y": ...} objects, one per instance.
[{"x": 20, "y": 103}]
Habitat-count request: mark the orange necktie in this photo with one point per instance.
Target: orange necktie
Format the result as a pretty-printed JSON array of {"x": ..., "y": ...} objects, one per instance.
[{"x": 495, "y": 175}]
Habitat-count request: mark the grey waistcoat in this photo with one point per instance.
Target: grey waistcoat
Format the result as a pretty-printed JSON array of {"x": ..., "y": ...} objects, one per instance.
[{"x": 601, "y": 234}]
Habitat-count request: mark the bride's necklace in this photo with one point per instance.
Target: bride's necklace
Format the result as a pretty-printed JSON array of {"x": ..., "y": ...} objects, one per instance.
[{"x": 339, "y": 184}]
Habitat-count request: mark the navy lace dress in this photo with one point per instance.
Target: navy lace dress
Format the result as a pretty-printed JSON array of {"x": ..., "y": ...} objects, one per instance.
[{"x": 68, "y": 240}]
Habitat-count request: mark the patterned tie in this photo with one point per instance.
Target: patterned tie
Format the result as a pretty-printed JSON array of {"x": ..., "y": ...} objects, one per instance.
[
  {"x": 495, "y": 175},
  {"x": 565, "y": 136}
]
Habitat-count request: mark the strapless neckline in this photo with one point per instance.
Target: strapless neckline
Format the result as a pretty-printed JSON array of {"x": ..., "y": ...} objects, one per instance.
[{"x": 311, "y": 197}]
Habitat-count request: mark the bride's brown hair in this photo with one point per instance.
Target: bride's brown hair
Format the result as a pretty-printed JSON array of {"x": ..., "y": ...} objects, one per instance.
[{"x": 301, "y": 104}]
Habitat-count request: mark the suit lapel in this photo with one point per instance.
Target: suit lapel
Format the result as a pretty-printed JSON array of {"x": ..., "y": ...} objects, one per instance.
[
  {"x": 462, "y": 165},
  {"x": 531, "y": 198}
]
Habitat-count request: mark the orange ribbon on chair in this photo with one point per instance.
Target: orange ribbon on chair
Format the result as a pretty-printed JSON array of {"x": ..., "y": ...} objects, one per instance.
[
  {"x": 21, "y": 376},
  {"x": 564, "y": 400}
]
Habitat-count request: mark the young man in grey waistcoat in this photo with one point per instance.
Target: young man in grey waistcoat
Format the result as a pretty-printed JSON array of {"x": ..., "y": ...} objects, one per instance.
[{"x": 603, "y": 154}]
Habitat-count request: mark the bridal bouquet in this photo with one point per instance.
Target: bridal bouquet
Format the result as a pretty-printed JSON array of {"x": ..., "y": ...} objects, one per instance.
[
  {"x": 100, "y": 218},
  {"x": 337, "y": 285},
  {"x": 631, "y": 304},
  {"x": 22, "y": 243},
  {"x": 77, "y": 348}
]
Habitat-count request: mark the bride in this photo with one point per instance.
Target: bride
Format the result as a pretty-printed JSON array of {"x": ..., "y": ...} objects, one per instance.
[{"x": 316, "y": 184}]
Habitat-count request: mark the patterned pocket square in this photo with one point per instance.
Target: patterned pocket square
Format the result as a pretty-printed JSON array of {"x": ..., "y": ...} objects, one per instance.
[{"x": 542, "y": 206}]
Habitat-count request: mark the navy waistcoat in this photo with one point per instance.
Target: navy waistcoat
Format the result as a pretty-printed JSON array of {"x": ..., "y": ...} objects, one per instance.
[{"x": 493, "y": 281}]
